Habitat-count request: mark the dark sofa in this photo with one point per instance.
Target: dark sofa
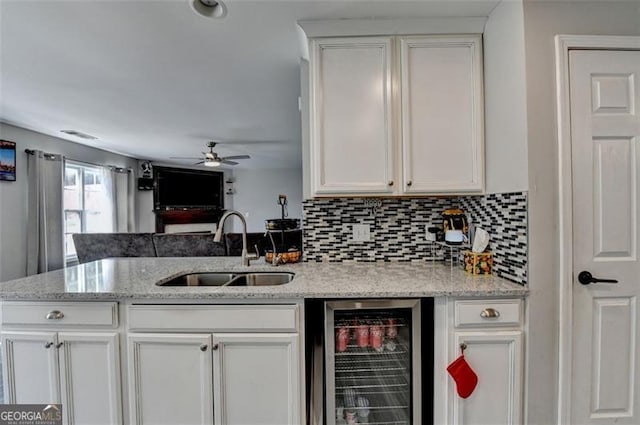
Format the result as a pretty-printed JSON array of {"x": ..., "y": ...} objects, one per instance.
[{"x": 96, "y": 246}]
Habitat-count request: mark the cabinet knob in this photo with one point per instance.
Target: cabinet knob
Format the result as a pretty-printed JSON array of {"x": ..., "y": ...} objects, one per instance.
[
  {"x": 48, "y": 345},
  {"x": 214, "y": 347},
  {"x": 54, "y": 315},
  {"x": 390, "y": 183},
  {"x": 489, "y": 313},
  {"x": 203, "y": 347},
  {"x": 58, "y": 345},
  {"x": 409, "y": 183}
]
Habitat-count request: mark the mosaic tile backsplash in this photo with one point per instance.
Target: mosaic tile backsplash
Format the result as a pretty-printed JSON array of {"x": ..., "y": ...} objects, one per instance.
[{"x": 398, "y": 229}]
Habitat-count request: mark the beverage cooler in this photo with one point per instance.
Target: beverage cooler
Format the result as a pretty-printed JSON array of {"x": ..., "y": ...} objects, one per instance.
[{"x": 376, "y": 363}]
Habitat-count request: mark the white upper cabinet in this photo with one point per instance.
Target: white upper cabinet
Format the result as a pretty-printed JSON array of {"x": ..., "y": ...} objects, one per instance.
[
  {"x": 442, "y": 114},
  {"x": 396, "y": 115},
  {"x": 351, "y": 116}
]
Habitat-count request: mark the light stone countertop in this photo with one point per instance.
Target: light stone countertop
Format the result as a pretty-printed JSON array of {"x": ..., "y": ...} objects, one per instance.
[{"x": 135, "y": 278}]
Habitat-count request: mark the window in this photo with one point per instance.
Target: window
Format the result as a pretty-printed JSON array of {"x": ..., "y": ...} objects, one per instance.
[{"x": 87, "y": 203}]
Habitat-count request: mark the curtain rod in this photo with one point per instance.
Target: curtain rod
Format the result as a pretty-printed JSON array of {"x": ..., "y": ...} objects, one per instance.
[
  {"x": 54, "y": 156},
  {"x": 50, "y": 156},
  {"x": 111, "y": 167}
]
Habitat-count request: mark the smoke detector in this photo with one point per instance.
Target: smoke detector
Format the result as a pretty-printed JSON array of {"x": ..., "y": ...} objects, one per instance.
[{"x": 209, "y": 8}]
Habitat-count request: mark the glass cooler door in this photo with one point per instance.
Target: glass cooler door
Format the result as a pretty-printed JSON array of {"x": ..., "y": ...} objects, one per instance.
[{"x": 372, "y": 366}]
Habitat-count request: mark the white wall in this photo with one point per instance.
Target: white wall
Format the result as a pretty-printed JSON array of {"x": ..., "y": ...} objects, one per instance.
[
  {"x": 13, "y": 195},
  {"x": 505, "y": 99},
  {"x": 257, "y": 194},
  {"x": 542, "y": 21},
  {"x": 144, "y": 215}
]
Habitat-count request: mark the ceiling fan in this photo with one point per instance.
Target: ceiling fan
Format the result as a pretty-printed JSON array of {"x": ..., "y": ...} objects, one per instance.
[{"x": 211, "y": 158}]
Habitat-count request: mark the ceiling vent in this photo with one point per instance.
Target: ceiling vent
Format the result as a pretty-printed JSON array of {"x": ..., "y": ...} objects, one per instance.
[
  {"x": 209, "y": 8},
  {"x": 78, "y": 134}
]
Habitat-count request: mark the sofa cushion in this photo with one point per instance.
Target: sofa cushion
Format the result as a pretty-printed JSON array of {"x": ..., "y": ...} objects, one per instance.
[
  {"x": 187, "y": 245},
  {"x": 96, "y": 246}
]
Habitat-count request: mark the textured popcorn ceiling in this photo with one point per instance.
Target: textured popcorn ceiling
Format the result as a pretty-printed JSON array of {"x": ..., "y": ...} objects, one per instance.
[{"x": 151, "y": 79}]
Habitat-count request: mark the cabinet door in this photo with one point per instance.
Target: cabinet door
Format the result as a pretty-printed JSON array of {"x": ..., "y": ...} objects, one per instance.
[
  {"x": 170, "y": 379},
  {"x": 257, "y": 379},
  {"x": 30, "y": 367},
  {"x": 496, "y": 357},
  {"x": 351, "y": 116},
  {"x": 90, "y": 378},
  {"x": 442, "y": 114}
]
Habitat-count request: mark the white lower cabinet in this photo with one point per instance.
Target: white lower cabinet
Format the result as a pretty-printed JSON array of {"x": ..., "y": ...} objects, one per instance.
[
  {"x": 170, "y": 379},
  {"x": 492, "y": 334},
  {"x": 214, "y": 364},
  {"x": 496, "y": 357},
  {"x": 81, "y": 370},
  {"x": 256, "y": 379},
  {"x": 30, "y": 367}
]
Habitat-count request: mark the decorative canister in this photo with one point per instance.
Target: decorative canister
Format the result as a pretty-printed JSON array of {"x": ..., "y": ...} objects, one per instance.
[{"x": 478, "y": 263}]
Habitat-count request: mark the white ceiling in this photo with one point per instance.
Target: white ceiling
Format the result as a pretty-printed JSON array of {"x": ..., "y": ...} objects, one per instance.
[{"x": 151, "y": 79}]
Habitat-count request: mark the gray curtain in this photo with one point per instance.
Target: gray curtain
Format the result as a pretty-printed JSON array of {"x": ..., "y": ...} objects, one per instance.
[
  {"x": 45, "y": 241},
  {"x": 123, "y": 192}
]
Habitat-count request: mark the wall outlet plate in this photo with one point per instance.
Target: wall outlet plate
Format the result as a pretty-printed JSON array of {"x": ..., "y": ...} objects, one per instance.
[
  {"x": 361, "y": 233},
  {"x": 428, "y": 236}
]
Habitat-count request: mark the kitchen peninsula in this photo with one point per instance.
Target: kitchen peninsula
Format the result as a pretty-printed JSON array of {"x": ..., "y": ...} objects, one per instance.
[
  {"x": 136, "y": 278},
  {"x": 114, "y": 347}
]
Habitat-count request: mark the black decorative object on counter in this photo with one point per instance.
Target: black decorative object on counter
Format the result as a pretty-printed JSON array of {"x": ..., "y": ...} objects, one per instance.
[{"x": 283, "y": 249}]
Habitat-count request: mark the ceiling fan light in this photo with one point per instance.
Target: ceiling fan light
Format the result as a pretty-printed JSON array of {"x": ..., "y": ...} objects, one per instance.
[{"x": 212, "y": 163}]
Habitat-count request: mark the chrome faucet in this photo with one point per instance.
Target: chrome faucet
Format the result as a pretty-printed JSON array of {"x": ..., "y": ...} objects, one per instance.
[{"x": 244, "y": 256}]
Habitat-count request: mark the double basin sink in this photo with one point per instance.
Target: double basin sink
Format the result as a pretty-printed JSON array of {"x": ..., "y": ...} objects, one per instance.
[{"x": 230, "y": 279}]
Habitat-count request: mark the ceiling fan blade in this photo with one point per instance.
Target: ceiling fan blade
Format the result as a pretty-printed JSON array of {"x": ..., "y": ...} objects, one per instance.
[
  {"x": 248, "y": 142},
  {"x": 237, "y": 157},
  {"x": 225, "y": 161},
  {"x": 184, "y": 157},
  {"x": 198, "y": 163}
]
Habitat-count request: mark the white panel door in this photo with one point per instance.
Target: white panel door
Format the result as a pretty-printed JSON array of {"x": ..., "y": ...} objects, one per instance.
[
  {"x": 30, "y": 368},
  {"x": 257, "y": 379},
  {"x": 442, "y": 114},
  {"x": 605, "y": 128},
  {"x": 170, "y": 379},
  {"x": 90, "y": 378},
  {"x": 496, "y": 357},
  {"x": 352, "y": 125}
]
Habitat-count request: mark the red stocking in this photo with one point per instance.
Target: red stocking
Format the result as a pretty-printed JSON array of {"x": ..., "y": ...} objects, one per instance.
[{"x": 466, "y": 379}]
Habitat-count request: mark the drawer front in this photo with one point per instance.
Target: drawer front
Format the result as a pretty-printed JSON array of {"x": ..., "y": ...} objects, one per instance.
[
  {"x": 489, "y": 313},
  {"x": 219, "y": 318},
  {"x": 60, "y": 314}
]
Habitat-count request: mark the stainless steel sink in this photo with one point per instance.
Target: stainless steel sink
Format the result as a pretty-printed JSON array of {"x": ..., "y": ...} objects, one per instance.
[
  {"x": 261, "y": 279},
  {"x": 230, "y": 279},
  {"x": 199, "y": 279}
]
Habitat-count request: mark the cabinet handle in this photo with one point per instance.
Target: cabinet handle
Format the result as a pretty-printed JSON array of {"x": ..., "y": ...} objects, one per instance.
[
  {"x": 390, "y": 183},
  {"x": 489, "y": 313},
  {"x": 203, "y": 347},
  {"x": 54, "y": 315},
  {"x": 214, "y": 347},
  {"x": 58, "y": 345},
  {"x": 48, "y": 345}
]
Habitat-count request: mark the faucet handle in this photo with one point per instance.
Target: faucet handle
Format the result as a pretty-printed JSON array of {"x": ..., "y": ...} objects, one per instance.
[{"x": 255, "y": 256}]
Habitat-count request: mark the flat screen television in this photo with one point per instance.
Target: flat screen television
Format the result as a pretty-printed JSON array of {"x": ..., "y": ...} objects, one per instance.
[{"x": 185, "y": 188}]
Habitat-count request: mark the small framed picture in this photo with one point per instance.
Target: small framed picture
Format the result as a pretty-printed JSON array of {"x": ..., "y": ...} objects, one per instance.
[{"x": 7, "y": 161}]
